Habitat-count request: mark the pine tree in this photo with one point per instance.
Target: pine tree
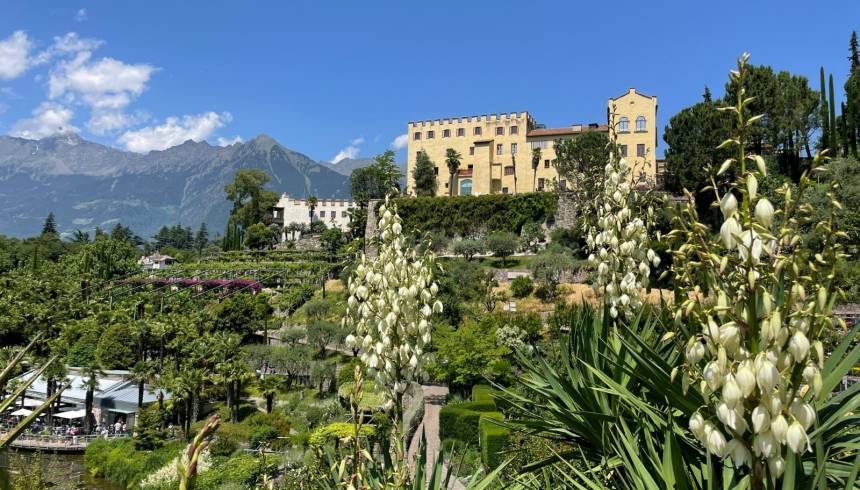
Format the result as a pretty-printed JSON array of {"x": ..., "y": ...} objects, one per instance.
[
  {"x": 707, "y": 95},
  {"x": 50, "y": 226},
  {"x": 825, "y": 117},
  {"x": 834, "y": 140},
  {"x": 424, "y": 176}
]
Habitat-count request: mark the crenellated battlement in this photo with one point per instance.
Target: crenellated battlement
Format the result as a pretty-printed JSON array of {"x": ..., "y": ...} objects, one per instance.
[{"x": 483, "y": 118}]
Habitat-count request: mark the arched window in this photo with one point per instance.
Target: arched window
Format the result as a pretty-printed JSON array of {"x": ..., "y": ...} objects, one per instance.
[
  {"x": 640, "y": 123},
  {"x": 466, "y": 187},
  {"x": 623, "y": 125}
]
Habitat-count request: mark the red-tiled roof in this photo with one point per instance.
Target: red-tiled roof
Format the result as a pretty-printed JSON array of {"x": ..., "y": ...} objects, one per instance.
[{"x": 567, "y": 130}]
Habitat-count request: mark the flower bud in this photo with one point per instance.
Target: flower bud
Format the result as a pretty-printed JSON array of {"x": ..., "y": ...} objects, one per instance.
[
  {"x": 764, "y": 212},
  {"x": 796, "y": 438},
  {"x": 728, "y": 205},
  {"x": 739, "y": 453},
  {"x": 760, "y": 419},
  {"x": 697, "y": 425},
  {"x": 779, "y": 428},
  {"x": 803, "y": 412},
  {"x": 752, "y": 186},
  {"x": 716, "y": 441},
  {"x": 731, "y": 391},
  {"x": 765, "y": 444},
  {"x": 713, "y": 375},
  {"x": 767, "y": 376},
  {"x": 798, "y": 346},
  {"x": 776, "y": 465},
  {"x": 728, "y": 233},
  {"x": 745, "y": 378},
  {"x": 695, "y": 351}
]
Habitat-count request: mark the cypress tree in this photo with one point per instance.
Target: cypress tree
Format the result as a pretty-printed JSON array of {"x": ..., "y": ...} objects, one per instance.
[
  {"x": 834, "y": 141},
  {"x": 424, "y": 176},
  {"x": 825, "y": 118},
  {"x": 854, "y": 49}
]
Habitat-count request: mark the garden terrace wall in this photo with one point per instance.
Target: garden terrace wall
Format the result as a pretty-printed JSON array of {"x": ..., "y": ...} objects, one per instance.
[{"x": 469, "y": 215}]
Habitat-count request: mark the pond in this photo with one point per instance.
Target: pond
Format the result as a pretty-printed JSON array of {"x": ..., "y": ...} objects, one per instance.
[{"x": 60, "y": 471}]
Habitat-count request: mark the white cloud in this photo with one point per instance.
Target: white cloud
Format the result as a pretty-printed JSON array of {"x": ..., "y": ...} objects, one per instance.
[
  {"x": 14, "y": 55},
  {"x": 103, "y": 121},
  {"x": 400, "y": 142},
  {"x": 174, "y": 131},
  {"x": 49, "y": 118},
  {"x": 81, "y": 15},
  {"x": 227, "y": 142},
  {"x": 350, "y": 151}
]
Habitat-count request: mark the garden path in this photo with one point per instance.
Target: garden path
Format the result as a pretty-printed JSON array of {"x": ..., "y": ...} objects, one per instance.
[{"x": 434, "y": 399}]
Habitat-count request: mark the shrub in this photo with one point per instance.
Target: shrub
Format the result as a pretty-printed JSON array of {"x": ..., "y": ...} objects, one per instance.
[
  {"x": 521, "y": 286},
  {"x": 483, "y": 394},
  {"x": 503, "y": 244},
  {"x": 243, "y": 471},
  {"x": 336, "y": 431},
  {"x": 119, "y": 462},
  {"x": 544, "y": 293},
  {"x": 493, "y": 438},
  {"x": 464, "y": 460},
  {"x": 461, "y": 421},
  {"x": 532, "y": 236},
  {"x": 223, "y": 445},
  {"x": 262, "y": 435}
]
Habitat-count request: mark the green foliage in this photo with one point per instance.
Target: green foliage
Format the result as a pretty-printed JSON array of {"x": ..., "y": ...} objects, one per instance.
[
  {"x": 522, "y": 286},
  {"x": 376, "y": 180},
  {"x": 493, "y": 439},
  {"x": 149, "y": 432},
  {"x": 581, "y": 160},
  {"x": 503, "y": 244},
  {"x": 483, "y": 394},
  {"x": 465, "y": 356},
  {"x": 241, "y": 313},
  {"x": 251, "y": 202},
  {"x": 460, "y": 421},
  {"x": 337, "y": 431},
  {"x": 424, "y": 176},
  {"x": 259, "y": 236},
  {"x": 294, "y": 298},
  {"x": 262, "y": 435},
  {"x": 547, "y": 268},
  {"x": 452, "y": 160},
  {"x": 322, "y": 333},
  {"x": 472, "y": 215},
  {"x": 117, "y": 460},
  {"x": 468, "y": 247},
  {"x": 243, "y": 471},
  {"x": 223, "y": 445},
  {"x": 115, "y": 349},
  {"x": 569, "y": 238}
]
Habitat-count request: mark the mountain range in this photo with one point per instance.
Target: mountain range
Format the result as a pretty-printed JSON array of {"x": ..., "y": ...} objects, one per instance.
[{"x": 87, "y": 184}]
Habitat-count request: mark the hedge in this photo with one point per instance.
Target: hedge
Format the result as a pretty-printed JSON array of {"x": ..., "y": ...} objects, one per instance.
[
  {"x": 461, "y": 421},
  {"x": 483, "y": 393},
  {"x": 468, "y": 215},
  {"x": 493, "y": 439},
  {"x": 117, "y": 460}
]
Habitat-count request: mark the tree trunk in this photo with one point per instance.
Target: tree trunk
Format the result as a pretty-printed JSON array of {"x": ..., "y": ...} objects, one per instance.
[
  {"x": 229, "y": 393},
  {"x": 195, "y": 405},
  {"x": 270, "y": 399},
  {"x": 139, "y": 395},
  {"x": 49, "y": 414},
  {"x": 88, "y": 409}
]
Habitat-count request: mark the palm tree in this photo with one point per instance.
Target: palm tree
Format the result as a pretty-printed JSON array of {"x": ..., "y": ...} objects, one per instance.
[
  {"x": 269, "y": 384},
  {"x": 312, "y": 204},
  {"x": 90, "y": 375},
  {"x": 536, "y": 156},
  {"x": 452, "y": 158}
]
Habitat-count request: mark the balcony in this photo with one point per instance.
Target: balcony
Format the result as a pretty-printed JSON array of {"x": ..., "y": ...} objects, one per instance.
[{"x": 466, "y": 172}]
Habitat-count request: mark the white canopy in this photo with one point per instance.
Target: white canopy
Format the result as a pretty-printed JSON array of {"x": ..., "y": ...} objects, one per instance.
[
  {"x": 21, "y": 411},
  {"x": 31, "y": 403},
  {"x": 73, "y": 414}
]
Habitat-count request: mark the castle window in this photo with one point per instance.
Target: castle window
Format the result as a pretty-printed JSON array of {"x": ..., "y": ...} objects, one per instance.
[
  {"x": 513, "y": 148},
  {"x": 540, "y": 184},
  {"x": 623, "y": 125},
  {"x": 471, "y": 166},
  {"x": 515, "y": 130},
  {"x": 509, "y": 170},
  {"x": 322, "y": 214},
  {"x": 623, "y": 150},
  {"x": 344, "y": 214},
  {"x": 546, "y": 164},
  {"x": 446, "y": 133},
  {"x": 466, "y": 187},
  {"x": 640, "y": 150},
  {"x": 562, "y": 184},
  {"x": 640, "y": 123},
  {"x": 500, "y": 131},
  {"x": 431, "y": 135},
  {"x": 435, "y": 170},
  {"x": 471, "y": 150},
  {"x": 504, "y": 190},
  {"x": 417, "y": 135},
  {"x": 477, "y": 131},
  {"x": 418, "y": 154},
  {"x": 461, "y": 131},
  {"x": 499, "y": 149}
]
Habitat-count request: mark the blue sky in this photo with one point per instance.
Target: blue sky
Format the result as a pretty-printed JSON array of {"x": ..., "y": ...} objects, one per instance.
[{"x": 337, "y": 78}]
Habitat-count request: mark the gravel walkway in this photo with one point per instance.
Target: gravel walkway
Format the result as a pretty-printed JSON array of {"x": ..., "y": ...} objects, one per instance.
[{"x": 434, "y": 399}]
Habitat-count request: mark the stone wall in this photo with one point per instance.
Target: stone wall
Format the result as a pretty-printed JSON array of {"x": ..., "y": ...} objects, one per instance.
[
  {"x": 370, "y": 230},
  {"x": 565, "y": 215}
]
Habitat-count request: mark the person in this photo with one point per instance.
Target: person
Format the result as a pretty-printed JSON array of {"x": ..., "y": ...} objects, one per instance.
[
  {"x": 123, "y": 427},
  {"x": 105, "y": 432},
  {"x": 117, "y": 427}
]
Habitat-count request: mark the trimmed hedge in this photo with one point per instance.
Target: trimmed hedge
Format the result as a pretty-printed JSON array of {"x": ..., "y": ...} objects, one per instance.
[
  {"x": 461, "y": 421},
  {"x": 337, "y": 431},
  {"x": 483, "y": 393},
  {"x": 493, "y": 439},
  {"x": 468, "y": 215}
]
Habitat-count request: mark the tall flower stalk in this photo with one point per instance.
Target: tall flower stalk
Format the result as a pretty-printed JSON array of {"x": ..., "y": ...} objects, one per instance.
[
  {"x": 391, "y": 300},
  {"x": 617, "y": 240},
  {"x": 756, "y": 301}
]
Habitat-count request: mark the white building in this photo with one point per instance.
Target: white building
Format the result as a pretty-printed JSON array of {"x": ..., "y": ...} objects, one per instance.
[
  {"x": 332, "y": 212},
  {"x": 155, "y": 261}
]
